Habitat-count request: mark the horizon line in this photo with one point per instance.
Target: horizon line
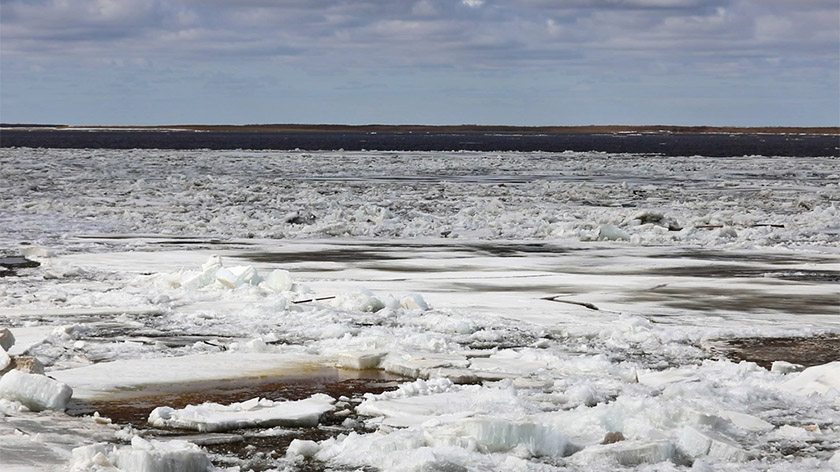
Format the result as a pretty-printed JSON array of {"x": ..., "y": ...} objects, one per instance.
[{"x": 466, "y": 127}]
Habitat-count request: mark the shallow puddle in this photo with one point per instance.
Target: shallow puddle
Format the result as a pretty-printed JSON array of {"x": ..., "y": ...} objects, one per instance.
[
  {"x": 255, "y": 448},
  {"x": 134, "y": 407}
]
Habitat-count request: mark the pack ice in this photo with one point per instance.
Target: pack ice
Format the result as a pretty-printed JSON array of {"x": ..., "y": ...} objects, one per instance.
[{"x": 649, "y": 256}]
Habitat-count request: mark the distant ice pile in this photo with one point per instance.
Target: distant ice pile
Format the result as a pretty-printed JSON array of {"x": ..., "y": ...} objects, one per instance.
[
  {"x": 365, "y": 300},
  {"x": 215, "y": 273},
  {"x": 753, "y": 201}
]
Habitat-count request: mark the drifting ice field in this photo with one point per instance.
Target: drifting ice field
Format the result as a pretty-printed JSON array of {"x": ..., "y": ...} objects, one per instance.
[{"x": 420, "y": 311}]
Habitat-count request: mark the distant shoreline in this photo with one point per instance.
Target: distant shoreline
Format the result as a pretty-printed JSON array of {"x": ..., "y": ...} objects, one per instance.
[{"x": 460, "y": 129}]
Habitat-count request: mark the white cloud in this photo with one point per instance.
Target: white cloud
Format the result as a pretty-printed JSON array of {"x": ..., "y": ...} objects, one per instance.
[
  {"x": 586, "y": 34},
  {"x": 318, "y": 46},
  {"x": 662, "y": 3},
  {"x": 553, "y": 27},
  {"x": 769, "y": 27}
]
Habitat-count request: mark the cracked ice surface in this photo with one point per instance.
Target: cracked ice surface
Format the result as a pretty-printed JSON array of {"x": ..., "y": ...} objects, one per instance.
[
  {"x": 489, "y": 280},
  {"x": 399, "y": 195}
]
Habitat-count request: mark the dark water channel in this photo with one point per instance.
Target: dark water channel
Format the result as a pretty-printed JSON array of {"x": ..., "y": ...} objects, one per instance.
[{"x": 702, "y": 144}]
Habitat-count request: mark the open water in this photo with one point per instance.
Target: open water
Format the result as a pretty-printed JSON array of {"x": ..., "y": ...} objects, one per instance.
[{"x": 712, "y": 145}]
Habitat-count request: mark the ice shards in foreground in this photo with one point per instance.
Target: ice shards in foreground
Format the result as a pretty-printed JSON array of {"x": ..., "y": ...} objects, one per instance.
[
  {"x": 668, "y": 422},
  {"x": 141, "y": 456}
]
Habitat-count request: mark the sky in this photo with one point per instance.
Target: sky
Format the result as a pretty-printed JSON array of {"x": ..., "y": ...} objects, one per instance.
[{"x": 516, "y": 62}]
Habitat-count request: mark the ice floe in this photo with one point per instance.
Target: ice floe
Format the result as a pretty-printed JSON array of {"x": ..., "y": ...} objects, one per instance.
[
  {"x": 820, "y": 380},
  {"x": 34, "y": 391},
  {"x": 126, "y": 376},
  {"x": 22, "y": 380},
  {"x": 257, "y": 412},
  {"x": 141, "y": 456},
  {"x": 626, "y": 453}
]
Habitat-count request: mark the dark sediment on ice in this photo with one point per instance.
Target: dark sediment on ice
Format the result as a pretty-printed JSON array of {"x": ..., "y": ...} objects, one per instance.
[{"x": 807, "y": 351}]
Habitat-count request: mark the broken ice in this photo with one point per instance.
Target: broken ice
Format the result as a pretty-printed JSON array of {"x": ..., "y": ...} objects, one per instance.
[{"x": 257, "y": 412}]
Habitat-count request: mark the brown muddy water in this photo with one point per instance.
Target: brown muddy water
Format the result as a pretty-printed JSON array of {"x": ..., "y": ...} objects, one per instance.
[{"x": 254, "y": 449}]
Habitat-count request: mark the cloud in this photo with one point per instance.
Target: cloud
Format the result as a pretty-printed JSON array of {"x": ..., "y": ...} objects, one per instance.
[
  {"x": 424, "y": 8},
  {"x": 424, "y": 32},
  {"x": 576, "y": 41}
]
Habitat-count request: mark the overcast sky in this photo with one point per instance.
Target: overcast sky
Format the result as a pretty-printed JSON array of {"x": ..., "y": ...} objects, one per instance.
[{"x": 519, "y": 62}]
